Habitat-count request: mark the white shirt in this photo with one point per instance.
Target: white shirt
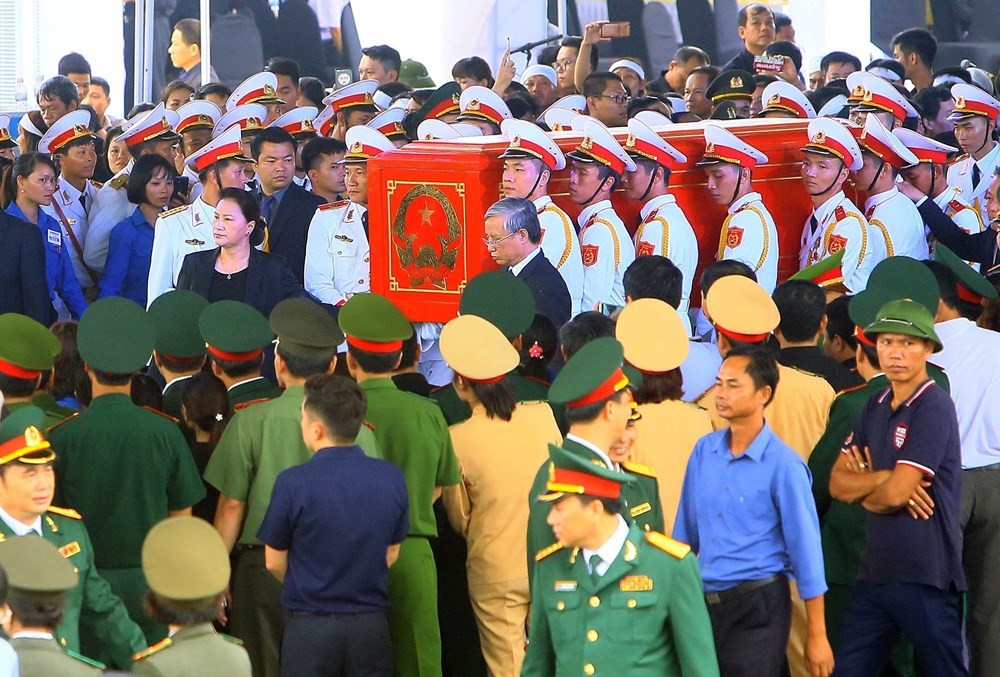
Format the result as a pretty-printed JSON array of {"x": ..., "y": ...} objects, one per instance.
[
  {"x": 517, "y": 268},
  {"x": 961, "y": 212},
  {"x": 665, "y": 231},
  {"x": 249, "y": 380},
  {"x": 960, "y": 176},
  {"x": 338, "y": 258},
  {"x": 749, "y": 235},
  {"x": 9, "y": 666},
  {"x": 975, "y": 387},
  {"x": 111, "y": 207},
  {"x": 176, "y": 234},
  {"x": 608, "y": 552},
  {"x": 328, "y": 13},
  {"x": 20, "y": 528},
  {"x": 899, "y": 222},
  {"x": 561, "y": 247},
  {"x": 77, "y": 219},
  {"x": 841, "y": 226},
  {"x": 597, "y": 450},
  {"x": 607, "y": 252}
]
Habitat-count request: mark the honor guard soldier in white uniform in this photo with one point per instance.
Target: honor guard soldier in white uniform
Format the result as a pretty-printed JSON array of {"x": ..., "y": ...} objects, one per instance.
[
  {"x": 784, "y": 100},
  {"x": 353, "y": 106},
  {"x": 887, "y": 210},
  {"x": 598, "y": 164},
  {"x": 152, "y": 132},
  {"x": 181, "y": 231},
  {"x": 250, "y": 118},
  {"x": 664, "y": 230},
  {"x": 483, "y": 108},
  {"x": 748, "y": 233},
  {"x": 529, "y": 162},
  {"x": 338, "y": 258},
  {"x": 975, "y": 118},
  {"x": 439, "y": 130},
  {"x": 836, "y": 223},
  {"x": 928, "y": 176},
  {"x": 572, "y": 102},
  {"x": 196, "y": 121},
  {"x": 299, "y": 123},
  {"x": 884, "y": 100},
  {"x": 325, "y": 121},
  {"x": 390, "y": 123},
  {"x": 75, "y": 189},
  {"x": 259, "y": 88}
]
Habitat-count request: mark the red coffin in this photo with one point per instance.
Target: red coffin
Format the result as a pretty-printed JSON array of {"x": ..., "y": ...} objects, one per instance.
[{"x": 427, "y": 200}]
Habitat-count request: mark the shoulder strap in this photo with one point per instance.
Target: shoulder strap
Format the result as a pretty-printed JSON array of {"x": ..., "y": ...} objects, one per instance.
[
  {"x": 567, "y": 232},
  {"x": 885, "y": 233},
  {"x": 614, "y": 237},
  {"x": 75, "y": 242},
  {"x": 667, "y": 544}
]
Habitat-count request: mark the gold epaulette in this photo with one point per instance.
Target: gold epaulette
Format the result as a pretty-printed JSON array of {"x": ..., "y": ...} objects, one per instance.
[
  {"x": 163, "y": 414},
  {"x": 639, "y": 469},
  {"x": 159, "y": 646},
  {"x": 244, "y": 405},
  {"x": 852, "y": 389},
  {"x": 97, "y": 184},
  {"x": 667, "y": 544},
  {"x": 68, "y": 418},
  {"x": 545, "y": 552},
  {"x": 333, "y": 205},
  {"x": 65, "y": 512},
  {"x": 84, "y": 659},
  {"x": 175, "y": 210},
  {"x": 119, "y": 181},
  {"x": 234, "y": 640}
]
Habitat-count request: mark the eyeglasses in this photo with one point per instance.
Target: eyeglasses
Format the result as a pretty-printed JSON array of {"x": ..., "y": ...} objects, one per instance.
[
  {"x": 564, "y": 64},
  {"x": 490, "y": 242},
  {"x": 620, "y": 99}
]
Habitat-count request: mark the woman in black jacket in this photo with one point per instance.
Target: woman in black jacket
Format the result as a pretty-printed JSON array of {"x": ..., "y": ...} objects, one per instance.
[{"x": 237, "y": 271}]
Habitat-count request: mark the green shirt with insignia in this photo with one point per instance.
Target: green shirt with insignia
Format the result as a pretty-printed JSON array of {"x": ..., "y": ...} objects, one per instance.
[
  {"x": 645, "y": 616},
  {"x": 260, "y": 442},
  {"x": 412, "y": 433},
  {"x": 258, "y": 388},
  {"x": 91, "y": 603},
  {"x": 194, "y": 651},
  {"x": 641, "y": 499},
  {"x": 123, "y": 468},
  {"x": 53, "y": 417},
  {"x": 37, "y": 656}
]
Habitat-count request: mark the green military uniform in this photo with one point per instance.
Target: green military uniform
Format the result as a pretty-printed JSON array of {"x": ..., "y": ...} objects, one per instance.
[
  {"x": 187, "y": 566},
  {"x": 412, "y": 434},
  {"x": 260, "y": 442},
  {"x": 52, "y": 418},
  {"x": 38, "y": 574},
  {"x": 26, "y": 350},
  {"x": 175, "y": 319},
  {"x": 116, "y": 450},
  {"x": 644, "y": 614},
  {"x": 235, "y": 333}
]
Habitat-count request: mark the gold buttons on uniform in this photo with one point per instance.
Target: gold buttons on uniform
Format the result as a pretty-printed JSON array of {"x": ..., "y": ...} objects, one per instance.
[
  {"x": 595, "y": 601},
  {"x": 630, "y": 604},
  {"x": 560, "y": 605},
  {"x": 592, "y": 635},
  {"x": 63, "y": 641},
  {"x": 589, "y": 669}
]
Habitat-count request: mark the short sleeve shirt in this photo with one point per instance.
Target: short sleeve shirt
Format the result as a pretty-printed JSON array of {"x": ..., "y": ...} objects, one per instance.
[
  {"x": 336, "y": 515},
  {"x": 922, "y": 432}
]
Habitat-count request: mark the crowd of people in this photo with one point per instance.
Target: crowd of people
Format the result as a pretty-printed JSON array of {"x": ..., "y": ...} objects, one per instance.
[{"x": 608, "y": 462}]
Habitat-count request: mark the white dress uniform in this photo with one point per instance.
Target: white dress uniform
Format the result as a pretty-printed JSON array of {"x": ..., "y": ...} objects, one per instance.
[
  {"x": 77, "y": 220},
  {"x": 840, "y": 225},
  {"x": 561, "y": 247},
  {"x": 749, "y": 235},
  {"x": 665, "y": 231},
  {"x": 970, "y": 101},
  {"x": 607, "y": 252},
  {"x": 177, "y": 233},
  {"x": 895, "y": 216},
  {"x": 338, "y": 258},
  {"x": 111, "y": 207},
  {"x": 961, "y": 212}
]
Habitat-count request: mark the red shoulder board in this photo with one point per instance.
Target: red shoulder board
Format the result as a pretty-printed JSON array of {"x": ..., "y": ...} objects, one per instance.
[
  {"x": 332, "y": 205},
  {"x": 734, "y": 236},
  {"x": 539, "y": 380},
  {"x": 164, "y": 415},
  {"x": 853, "y": 388},
  {"x": 644, "y": 248},
  {"x": 840, "y": 213},
  {"x": 650, "y": 216},
  {"x": 956, "y": 205},
  {"x": 244, "y": 405},
  {"x": 369, "y": 425},
  {"x": 589, "y": 252}
]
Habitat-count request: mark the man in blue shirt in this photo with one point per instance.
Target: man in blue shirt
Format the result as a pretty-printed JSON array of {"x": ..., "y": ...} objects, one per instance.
[
  {"x": 903, "y": 463},
  {"x": 332, "y": 530},
  {"x": 746, "y": 508}
]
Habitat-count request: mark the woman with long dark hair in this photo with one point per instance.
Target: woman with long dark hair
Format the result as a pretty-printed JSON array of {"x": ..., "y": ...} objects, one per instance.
[
  {"x": 237, "y": 270},
  {"x": 27, "y": 185},
  {"x": 206, "y": 410}
]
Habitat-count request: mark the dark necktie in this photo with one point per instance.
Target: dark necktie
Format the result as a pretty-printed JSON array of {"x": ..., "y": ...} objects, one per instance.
[
  {"x": 813, "y": 224},
  {"x": 594, "y": 560},
  {"x": 268, "y": 206},
  {"x": 364, "y": 222},
  {"x": 83, "y": 202},
  {"x": 976, "y": 175}
]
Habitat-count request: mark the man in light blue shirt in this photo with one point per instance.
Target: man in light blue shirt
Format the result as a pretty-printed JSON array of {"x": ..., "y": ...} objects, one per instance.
[{"x": 746, "y": 509}]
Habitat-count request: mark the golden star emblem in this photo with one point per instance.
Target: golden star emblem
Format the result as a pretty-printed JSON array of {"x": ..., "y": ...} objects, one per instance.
[{"x": 425, "y": 215}]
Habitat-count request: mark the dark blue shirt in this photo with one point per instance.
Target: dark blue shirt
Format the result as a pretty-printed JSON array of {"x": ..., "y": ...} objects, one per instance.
[
  {"x": 130, "y": 248},
  {"x": 336, "y": 515},
  {"x": 922, "y": 432},
  {"x": 63, "y": 283},
  {"x": 750, "y": 516}
]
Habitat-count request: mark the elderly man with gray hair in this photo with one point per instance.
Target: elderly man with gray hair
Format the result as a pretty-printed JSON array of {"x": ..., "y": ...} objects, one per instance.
[{"x": 513, "y": 237}]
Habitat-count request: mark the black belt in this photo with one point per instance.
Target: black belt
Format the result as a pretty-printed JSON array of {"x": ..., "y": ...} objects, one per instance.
[
  {"x": 993, "y": 466},
  {"x": 741, "y": 589}
]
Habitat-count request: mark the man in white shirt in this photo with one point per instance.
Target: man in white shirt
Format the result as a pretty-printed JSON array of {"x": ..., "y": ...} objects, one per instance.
[{"x": 975, "y": 117}]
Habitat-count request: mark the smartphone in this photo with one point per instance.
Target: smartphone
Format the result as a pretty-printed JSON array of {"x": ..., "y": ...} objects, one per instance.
[
  {"x": 768, "y": 64},
  {"x": 508, "y": 44},
  {"x": 181, "y": 184},
  {"x": 343, "y": 77},
  {"x": 616, "y": 29}
]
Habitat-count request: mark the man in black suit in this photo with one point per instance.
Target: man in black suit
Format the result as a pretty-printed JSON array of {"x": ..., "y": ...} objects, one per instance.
[
  {"x": 287, "y": 208},
  {"x": 513, "y": 237},
  {"x": 23, "y": 288}
]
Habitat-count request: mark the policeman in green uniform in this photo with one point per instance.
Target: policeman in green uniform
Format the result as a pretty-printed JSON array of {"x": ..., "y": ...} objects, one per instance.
[
  {"x": 122, "y": 467},
  {"x": 26, "y": 350},
  {"x": 37, "y": 576},
  {"x": 235, "y": 336},
  {"x": 179, "y": 351},
  {"x": 259, "y": 443},
  {"x": 413, "y": 434},
  {"x": 24, "y": 464},
  {"x": 593, "y": 387},
  {"x": 609, "y": 598},
  {"x": 187, "y": 567}
]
